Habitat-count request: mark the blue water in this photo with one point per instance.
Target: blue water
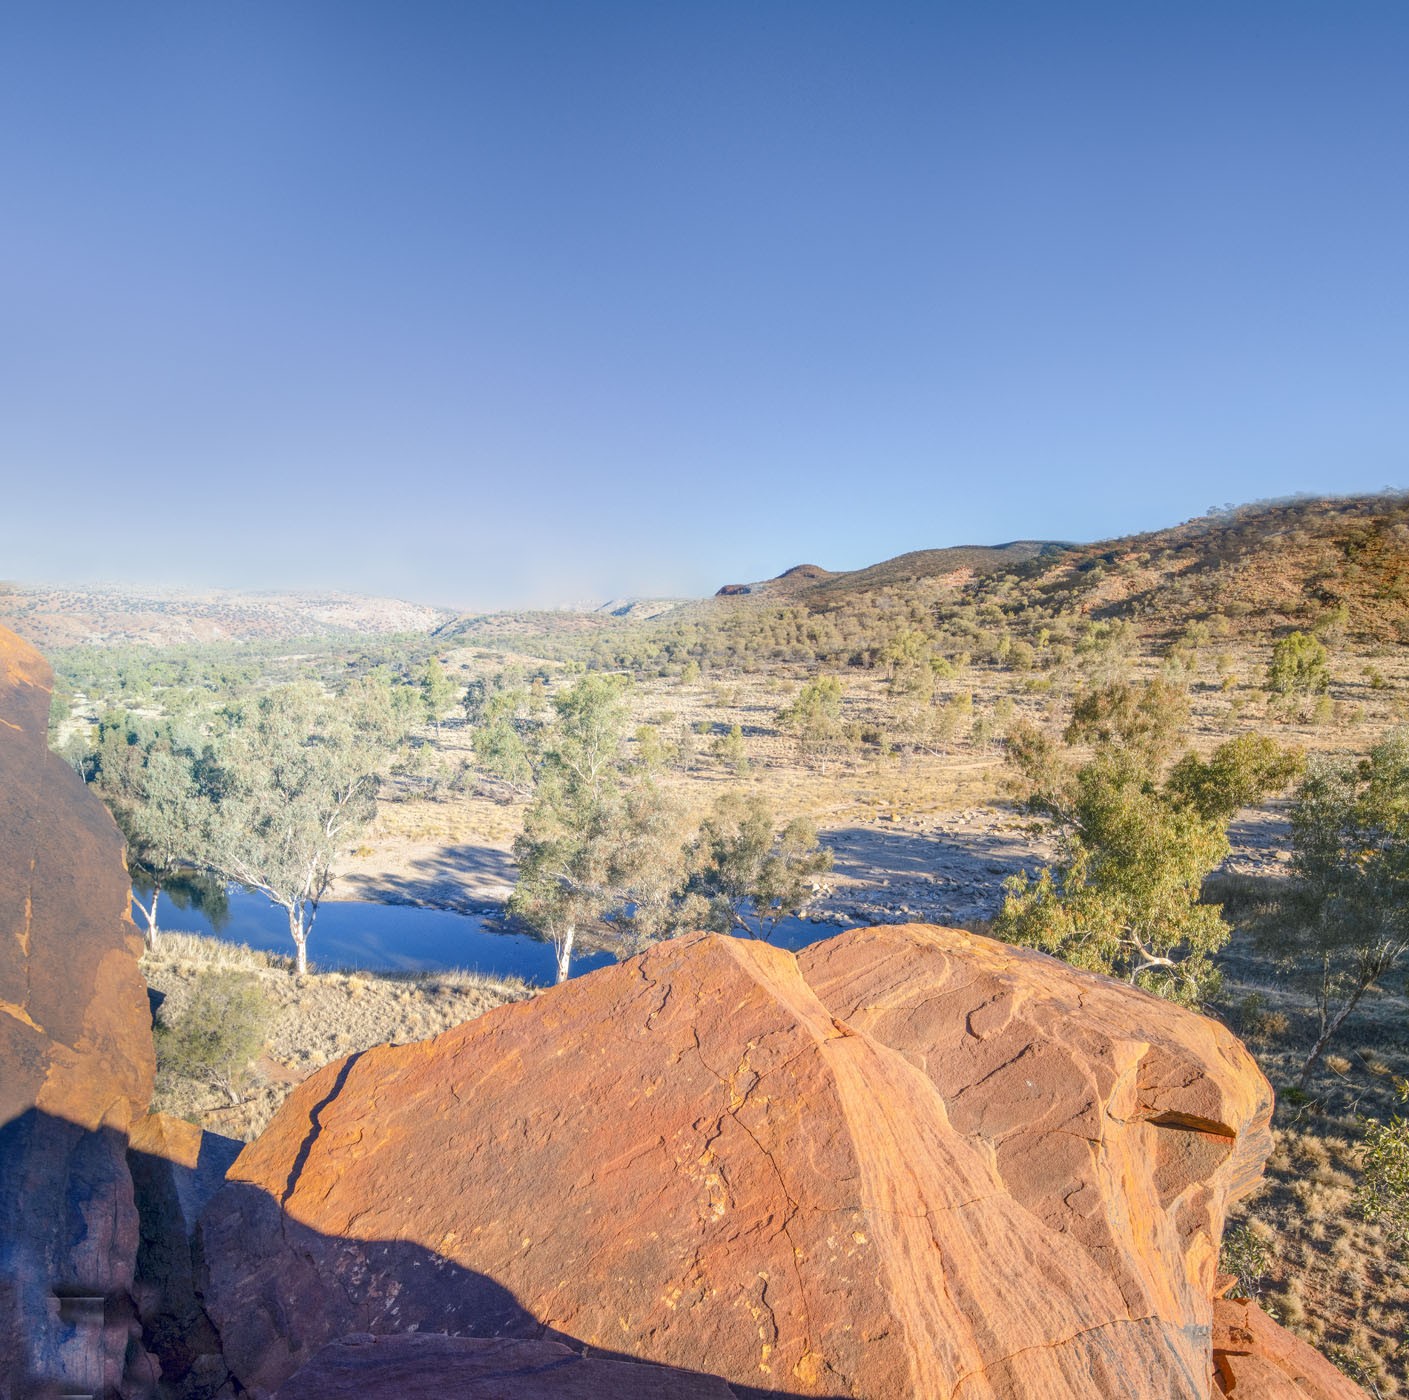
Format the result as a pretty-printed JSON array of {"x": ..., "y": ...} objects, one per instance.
[{"x": 403, "y": 937}]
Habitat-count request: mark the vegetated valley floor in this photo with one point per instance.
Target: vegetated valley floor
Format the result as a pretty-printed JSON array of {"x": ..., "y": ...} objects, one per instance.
[{"x": 923, "y": 827}]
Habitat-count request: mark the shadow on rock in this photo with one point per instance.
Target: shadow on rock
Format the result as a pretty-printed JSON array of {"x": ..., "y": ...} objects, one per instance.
[
  {"x": 258, "y": 1260},
  {"x": 67, "y": 1318}
]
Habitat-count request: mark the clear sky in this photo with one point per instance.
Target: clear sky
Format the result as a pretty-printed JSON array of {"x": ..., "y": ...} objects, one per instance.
[{"x": 533, "y": 302}]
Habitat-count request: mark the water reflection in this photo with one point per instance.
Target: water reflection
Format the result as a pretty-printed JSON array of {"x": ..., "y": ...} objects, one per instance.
[
  {"x": 188, "y": 894},
  {"x": 395, "y": 937}
]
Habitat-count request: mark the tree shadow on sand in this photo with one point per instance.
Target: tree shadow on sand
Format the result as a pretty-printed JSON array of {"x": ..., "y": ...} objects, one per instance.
[{"x": 467, "y": 878}]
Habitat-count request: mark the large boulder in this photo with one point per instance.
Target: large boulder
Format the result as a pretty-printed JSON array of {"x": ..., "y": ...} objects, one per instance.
[
  {"x": 76, "y": 1045},
  {"x": 1118, "y": 1120},
  {"x": 910, "y": 1162}
]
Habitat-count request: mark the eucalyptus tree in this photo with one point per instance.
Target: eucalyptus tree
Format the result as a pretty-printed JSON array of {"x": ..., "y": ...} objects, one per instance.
[
  {"x": 506, "y": 739},
  {"x": 601, "y": 840},
  {"x": 747, "y": 873},
  {"x": 1299, "y": 667},
  {"x": 147, "y": 775},
  {"x": 1345, "y": 927},
  {"x": 437, "y": 690},
  {"x": 815, "y": 717},
  {"x": 1136, "y": 840},
  {"x": 295, "y": 781}
]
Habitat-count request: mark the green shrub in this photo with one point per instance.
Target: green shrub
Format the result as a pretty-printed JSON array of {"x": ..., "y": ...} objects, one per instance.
[
  {"x": 1383, "y": 1194},
  {"x": 1299, "y": 666},
  {"x": 1247, "y": 1255},
  {"x": 218, "y": 1035}
]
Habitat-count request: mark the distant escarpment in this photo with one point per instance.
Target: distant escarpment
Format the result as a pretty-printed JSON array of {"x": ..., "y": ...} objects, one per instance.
[
  {"x": 109, "y": 615},
  {"x": 907, "y": 1162}
]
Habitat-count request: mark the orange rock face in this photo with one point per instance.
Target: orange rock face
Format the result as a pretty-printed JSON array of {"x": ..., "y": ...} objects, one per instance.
[
  {"x": 73, "y": 1004},
  {"x": 1118, "y": 1120},
  {"x": 1256, "y": 1359},
  {"x": 910, "y": 1162},
  {"x": 76, "y": 1050}
]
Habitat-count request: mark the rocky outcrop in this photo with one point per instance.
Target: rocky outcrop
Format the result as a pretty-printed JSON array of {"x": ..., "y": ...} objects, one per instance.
[
  {"x": 909, "y": 1162},
  {"x": 1119, "y": 1121},
  {"x": 176, "y": 1169},
  {"x": 1256, "y": 1359},
  {"x": 428, "y": 1366},
  {"x": 75, "y": 1042}
]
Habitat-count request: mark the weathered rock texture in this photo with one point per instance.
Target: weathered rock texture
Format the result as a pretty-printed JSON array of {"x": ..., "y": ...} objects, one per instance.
[
  {"x": 76, "y": 1046},
  {"x": 1117, "y": 1120},
  {"x": 1255, "y": 1359},
  {"x": 910, "y": 1162},
  {"x": 426, "y": 1366}
]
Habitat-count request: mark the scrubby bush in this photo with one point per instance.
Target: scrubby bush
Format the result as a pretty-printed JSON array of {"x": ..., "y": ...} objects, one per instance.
[
  {"x": 1384, "y": 1191},
  {"x": 1299, "y": 667},
  {"x": 218, "y": 1035},
  {"x": 1247, "y": 1254}
]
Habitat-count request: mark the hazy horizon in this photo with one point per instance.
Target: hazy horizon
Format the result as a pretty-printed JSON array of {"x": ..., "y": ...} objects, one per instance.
[{"x": 527, "y": 305}]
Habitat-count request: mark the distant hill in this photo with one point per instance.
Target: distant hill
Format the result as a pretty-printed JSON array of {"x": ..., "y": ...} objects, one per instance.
[
  {"x": 56, "y": 617},
  {"x": 1266, "y": 567},
  {"x": 965, "y": 560},
  {"x": 959, "y": 563},
  {"x": 641, "y": 609},
  {"x": 1263, "y": 569}
]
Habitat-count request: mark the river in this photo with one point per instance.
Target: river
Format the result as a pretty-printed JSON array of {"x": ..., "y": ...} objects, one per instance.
[{"x": 403, "y": 937}]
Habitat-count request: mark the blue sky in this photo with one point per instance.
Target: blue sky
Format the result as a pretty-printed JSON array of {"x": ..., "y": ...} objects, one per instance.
[{"x": 540, "y": 302}]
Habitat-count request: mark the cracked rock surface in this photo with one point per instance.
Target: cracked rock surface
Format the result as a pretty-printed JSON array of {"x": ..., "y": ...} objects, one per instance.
[{"x": 907, "y": 1162}]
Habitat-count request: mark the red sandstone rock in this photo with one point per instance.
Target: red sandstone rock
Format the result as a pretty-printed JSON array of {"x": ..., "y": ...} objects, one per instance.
[
  {"x": 1256, "y": 1359},
  {"x": 76, "y": 1046},
  {"x": 425, "y": 1366},
  {"x": 794, "y": 1177},
  {"x": 1120, "y": 1121}
]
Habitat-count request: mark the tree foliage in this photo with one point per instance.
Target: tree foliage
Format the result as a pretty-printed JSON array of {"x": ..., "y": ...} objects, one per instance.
[
  {"x": 1383, "y": 1194},
  {"x": 1143, "y": 722},
  {"x": 750, "y": 875},
  {"x": 502, "y": 740},
  {"x": 1345, "y": 926},
  {"x": 437, "y": 691},
  {"x": 295, "y": 780},
  {"x": 814, "y": 717},
  {"x": 1135, "y": 843},
  {"x": 600, "y": 838},
  {"x": 1299, "y": 667},
  {"x": 147, "y": 775},
  {"x": 731, "y": 750}
]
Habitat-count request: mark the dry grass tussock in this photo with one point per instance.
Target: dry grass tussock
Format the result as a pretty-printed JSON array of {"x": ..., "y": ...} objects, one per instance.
[
  {"x": 311, "y": 1021},
  {"x": 1332, "y": 1277}
]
